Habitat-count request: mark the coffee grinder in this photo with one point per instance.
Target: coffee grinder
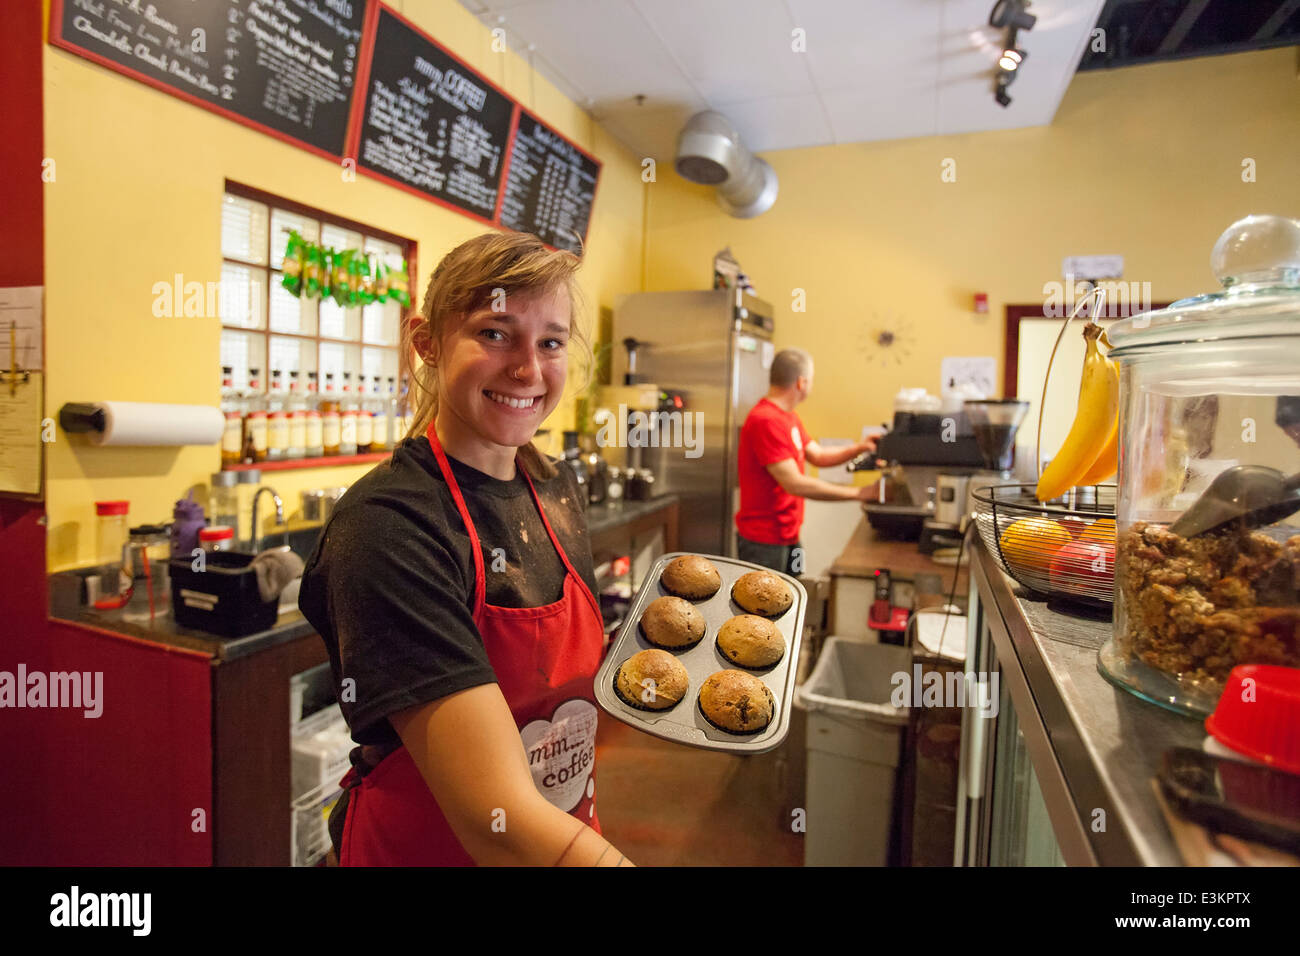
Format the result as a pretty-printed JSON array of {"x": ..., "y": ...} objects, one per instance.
[{"x": 995, "y": 423}]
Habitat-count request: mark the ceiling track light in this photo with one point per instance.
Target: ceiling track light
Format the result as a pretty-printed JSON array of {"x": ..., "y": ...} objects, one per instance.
[
  {"x": 1000, "y": 90},
  {"x": 1012, "y": 13},
  {"x": 1000, "y": 94}
]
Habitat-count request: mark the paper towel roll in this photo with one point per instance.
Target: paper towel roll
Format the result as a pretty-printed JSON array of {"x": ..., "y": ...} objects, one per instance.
[{"x": 147, "y": 423}]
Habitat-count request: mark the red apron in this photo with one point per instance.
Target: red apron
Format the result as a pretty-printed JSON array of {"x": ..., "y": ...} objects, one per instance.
[{"x": 545, "y": 659}]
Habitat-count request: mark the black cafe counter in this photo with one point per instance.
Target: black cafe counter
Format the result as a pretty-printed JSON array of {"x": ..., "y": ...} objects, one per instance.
[
  {"x": 606, "y": 525},
  {"x": 1092, "y": 745}
]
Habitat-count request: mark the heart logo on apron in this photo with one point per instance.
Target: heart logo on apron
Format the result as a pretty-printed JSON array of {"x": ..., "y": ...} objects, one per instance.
[{"x": 562, "y": 751}]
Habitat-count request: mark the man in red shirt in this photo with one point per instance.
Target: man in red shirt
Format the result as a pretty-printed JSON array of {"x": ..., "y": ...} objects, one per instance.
[{"x": 773, "y": 448}]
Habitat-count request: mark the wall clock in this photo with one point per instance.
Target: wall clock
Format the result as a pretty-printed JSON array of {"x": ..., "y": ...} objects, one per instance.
[{"x": 886, "y": 340}]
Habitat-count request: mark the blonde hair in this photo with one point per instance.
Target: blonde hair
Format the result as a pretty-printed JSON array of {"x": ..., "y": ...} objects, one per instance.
[{"x": 469, "y": 278}]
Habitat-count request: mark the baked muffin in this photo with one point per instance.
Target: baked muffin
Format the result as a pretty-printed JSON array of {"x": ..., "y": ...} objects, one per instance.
[
  {"x": 673, "y": 623},
  {"x": 761, "y": 592},
  {"x": 651, "y": 680},
  {"x": 751, "y": 641},
  {"x": 737, "y": 702},
  {"x": 691, "y": 577}
]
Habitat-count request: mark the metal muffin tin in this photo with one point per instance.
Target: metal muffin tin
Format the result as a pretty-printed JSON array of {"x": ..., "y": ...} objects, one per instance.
[{"x": 684, "y": 723}]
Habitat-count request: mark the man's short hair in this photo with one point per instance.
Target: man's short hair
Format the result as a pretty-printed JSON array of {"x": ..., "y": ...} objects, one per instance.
[{"x": 789, "y": 365}]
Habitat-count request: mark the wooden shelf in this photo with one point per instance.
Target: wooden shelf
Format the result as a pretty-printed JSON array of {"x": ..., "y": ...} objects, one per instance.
[{"x": 327, "y": 461}]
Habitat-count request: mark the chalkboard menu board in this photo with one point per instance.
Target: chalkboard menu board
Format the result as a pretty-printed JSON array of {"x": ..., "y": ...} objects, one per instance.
[
  {"x": 550, "y": 186},
  {"x": 430, "y": 123},
  {"x": 287, "y": 66}
]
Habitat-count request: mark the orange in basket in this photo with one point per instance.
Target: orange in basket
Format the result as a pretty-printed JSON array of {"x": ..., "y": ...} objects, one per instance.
[
  {"x": 1102, "y": 531},
  {"x": 1031, "y": 543}
]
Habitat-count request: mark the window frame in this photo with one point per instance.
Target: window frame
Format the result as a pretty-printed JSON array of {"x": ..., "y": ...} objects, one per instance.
[{"x": 273, "y": 202}]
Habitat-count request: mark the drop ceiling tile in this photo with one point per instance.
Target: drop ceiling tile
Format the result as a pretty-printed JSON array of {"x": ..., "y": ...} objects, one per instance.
[
  {"x": 780, "y": 122},
  {"x": 602, "y": 47},
  {"x": 732, "y": 50},
  {"x": 857, "y": 43},
  {"x": 889, "y": 111},
  {"x": 480, "y": 7},
  {"x": 647, "y": 132},
  {"x": 883, "y": 68},
  {"x": 1053, "y": 47}
]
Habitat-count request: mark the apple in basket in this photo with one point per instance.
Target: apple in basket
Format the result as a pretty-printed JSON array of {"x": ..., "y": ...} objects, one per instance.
[{"x": 1086, "y": 566}]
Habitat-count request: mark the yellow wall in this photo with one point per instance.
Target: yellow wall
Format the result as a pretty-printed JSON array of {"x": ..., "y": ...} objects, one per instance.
[
  {"x": 137, "y": 198},
  {"x": 1144, "y": 161}
]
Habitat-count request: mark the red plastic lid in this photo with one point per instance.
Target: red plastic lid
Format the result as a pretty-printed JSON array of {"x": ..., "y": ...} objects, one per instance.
[
  {"x": 111, "y": 507},
  {"x": 220, "y": 532},
  {"x": 1259, "y": 715}
]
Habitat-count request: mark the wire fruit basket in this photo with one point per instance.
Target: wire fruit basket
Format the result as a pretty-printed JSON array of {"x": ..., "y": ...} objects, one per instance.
[{"x": 1065, "y": 550}]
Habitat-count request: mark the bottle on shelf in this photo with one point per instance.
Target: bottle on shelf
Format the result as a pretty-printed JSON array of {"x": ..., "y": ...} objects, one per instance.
[
  {"x": 315, "y": 433},
  {"x": 277, "y": 419},
  {"x": 379, "y": 417},
  {"x": 254, "y": 419},
  {"x": 232, "y": 439},
  {"x": 297, "y": 420},
  {"x": 395, "y": 433},
  {"x": 348, "y": 419},
  {"x": 365, "y": 416},
  {"x": 331, "y": 423}
]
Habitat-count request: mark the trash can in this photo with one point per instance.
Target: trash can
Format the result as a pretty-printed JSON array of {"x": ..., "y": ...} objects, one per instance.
[{"x": 854, "y": 742}]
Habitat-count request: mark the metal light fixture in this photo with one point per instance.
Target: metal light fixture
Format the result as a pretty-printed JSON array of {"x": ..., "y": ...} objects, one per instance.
[
  {"x": 1011, "y": 57},
  {"x": 1000, "y": 89},
  {"x": 1012, "y": 13}
]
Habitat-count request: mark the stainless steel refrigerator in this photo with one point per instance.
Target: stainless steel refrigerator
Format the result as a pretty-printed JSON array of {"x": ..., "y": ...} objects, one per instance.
[{"x": 715, "y": 349}]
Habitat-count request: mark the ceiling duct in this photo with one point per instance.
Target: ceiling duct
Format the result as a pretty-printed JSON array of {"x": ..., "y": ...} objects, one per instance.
[{"x": 709, "y": 151}]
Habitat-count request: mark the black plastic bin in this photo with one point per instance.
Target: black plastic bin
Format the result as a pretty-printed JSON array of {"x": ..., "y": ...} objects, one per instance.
[{"x": 222, "y": 598}]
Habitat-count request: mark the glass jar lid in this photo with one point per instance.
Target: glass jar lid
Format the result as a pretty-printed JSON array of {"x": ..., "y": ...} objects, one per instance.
[{"x": 1257, "y": 259}]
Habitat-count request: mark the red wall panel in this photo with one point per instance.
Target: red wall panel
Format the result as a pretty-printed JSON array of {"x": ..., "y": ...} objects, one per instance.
[{"x": 120, "y": 788}]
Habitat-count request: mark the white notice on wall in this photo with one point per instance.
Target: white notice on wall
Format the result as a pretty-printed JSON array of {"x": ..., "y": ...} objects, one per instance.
[
  {"x": 22, "y": 391},
  {"x": 20, "y": 326},
  {"x": 979, "y": 371},
  {"x": 1093, "y": 267}
]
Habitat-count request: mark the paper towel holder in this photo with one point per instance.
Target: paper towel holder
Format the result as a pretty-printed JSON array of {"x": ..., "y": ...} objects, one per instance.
[
  {"x": 143, "y": 423},
  {"x": 81, "y": 417}
]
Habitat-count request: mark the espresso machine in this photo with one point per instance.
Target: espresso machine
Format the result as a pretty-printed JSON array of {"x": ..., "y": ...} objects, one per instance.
[{"x": 935, "y": 462}]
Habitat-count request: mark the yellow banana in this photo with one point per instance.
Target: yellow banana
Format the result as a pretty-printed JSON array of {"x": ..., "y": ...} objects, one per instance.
[
  {"x": 1108, "y": 461},
  {"x": 1093, "y": 422}
]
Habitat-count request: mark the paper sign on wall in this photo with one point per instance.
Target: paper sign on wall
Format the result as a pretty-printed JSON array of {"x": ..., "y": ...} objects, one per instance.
[
  {"x": 1093, "y": 267},
  {"x": 980, "y": 371},
  {"x": 22, "y": 390}
]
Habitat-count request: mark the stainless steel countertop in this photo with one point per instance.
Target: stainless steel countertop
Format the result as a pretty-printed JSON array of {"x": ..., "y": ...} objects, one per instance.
[{"x": 1104, "y": 742}]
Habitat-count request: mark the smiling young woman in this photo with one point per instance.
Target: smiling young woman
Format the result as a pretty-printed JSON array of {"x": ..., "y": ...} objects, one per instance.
[{"x": 453, "y": 588}]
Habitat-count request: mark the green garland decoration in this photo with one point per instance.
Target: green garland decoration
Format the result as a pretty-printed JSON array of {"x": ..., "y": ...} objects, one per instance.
[{"x": 348, "y": 276}]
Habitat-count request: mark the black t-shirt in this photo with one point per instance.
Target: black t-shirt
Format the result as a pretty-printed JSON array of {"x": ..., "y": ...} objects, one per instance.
[{"x": 390, "y": 584}]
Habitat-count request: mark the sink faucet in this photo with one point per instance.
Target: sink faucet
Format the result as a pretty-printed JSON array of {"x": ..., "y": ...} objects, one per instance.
[{"x": 279, "y": 515}]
